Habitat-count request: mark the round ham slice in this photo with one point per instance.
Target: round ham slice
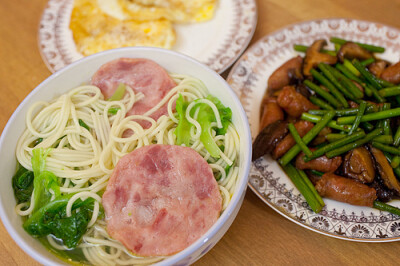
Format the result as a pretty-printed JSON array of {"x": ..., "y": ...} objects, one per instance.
[
  {"x": 160, "y": 199},
  {"x": 142, "y": 75}
]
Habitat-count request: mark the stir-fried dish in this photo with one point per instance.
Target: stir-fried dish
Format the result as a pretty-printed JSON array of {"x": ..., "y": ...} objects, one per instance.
[{"x": 332, "y": 120}]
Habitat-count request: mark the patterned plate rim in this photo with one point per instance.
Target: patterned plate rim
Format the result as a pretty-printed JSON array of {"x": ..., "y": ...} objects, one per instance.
[
  {"x": 242, "y": 94},
  {"x": 245, "y": 15}
]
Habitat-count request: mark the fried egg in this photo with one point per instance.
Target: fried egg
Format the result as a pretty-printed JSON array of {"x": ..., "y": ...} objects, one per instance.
[
  {"x": 181, "y": 11},
  {"x": 99, "y": 25}
]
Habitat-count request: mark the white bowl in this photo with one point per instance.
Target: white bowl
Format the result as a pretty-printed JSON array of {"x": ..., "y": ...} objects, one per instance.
[{"x": 81, "y": 71}]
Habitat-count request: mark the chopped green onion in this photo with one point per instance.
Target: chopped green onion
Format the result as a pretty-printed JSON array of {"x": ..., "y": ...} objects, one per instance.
[
  {"x": 390, "y": 159},
  {"x": 334, "y": 145},
  {"x": 391, "y": 91},
  {"x": 347, "y": 83},
  {"x": 369, "y": 47},
  {"x": 386, "y": 148},
  {"x": 324, "y": 81},
  {"x": 368, "y": 61},
  {"x": 371, "y": 108},
  {"x": 321, "y": 103},
  {"x": 113, "y": 110},
  {"x": 358, "y": 143},
  {"x": 303, "y": 188},
  {"x": 311, "y": 187},
  {"x": 318, "y": 173},
  {"x": 360, "y": 113},
  {"x": 298, "y": 139},
  {"x": 396, "y": 140},
  {"x": 347, "y": 72},
  {"x": 367, "y": 126},
  {"x": 367, "y": 75},
  {"x": 83, "y": 124},
  {"x": 385, "y": 139},
  {"x": 370, "y": 117},
  {"x": 351, "y": 68},
  {"x": 395, "y": 162},
  {"x": 327, "y": 70},
  {"x": 386, "y": 207},
  {"x": 303, "y": 49},
  {"x": 384, "y": 83},
  {"x": 386, "y": 123},
  {"x": 331, "y": 124},
  {"x": 307, "y": 138},
  {"x": 324, "y": 94}
]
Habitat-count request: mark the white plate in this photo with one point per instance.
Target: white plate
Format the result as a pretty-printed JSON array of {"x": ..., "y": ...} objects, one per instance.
[
  {"x": 249, "y": 78},
  {"x": 216, "y": 43}
]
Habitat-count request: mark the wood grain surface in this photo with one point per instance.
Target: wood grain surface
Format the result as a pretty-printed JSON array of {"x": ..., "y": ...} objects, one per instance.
[{"x": 259, "y": 235}]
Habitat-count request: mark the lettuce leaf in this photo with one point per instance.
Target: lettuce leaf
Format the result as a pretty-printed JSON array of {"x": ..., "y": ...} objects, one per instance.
[
  {"x": 225, "y": 114},
  {"x": 52, "y": 219},
  {"x": 206, "y": 117},
  {"x": 43, "y": 181},
  {"x": 182, "y": 131},
  {"x": 22, "y": 183}
]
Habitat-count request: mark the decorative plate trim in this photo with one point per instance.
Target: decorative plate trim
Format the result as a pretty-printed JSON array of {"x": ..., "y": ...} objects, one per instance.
[
  {"x": 238, "y": 40},
  {"x": 366, "y": 226},
  {"x": 249, "y": 77},
  {"x": 57, "y": 47}
]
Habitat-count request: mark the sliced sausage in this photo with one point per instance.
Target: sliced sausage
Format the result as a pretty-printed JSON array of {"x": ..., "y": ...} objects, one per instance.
[
  {"x": 322, "y": 163},
  {"x": 392, "y": 73},
  {"x": 377, "y": 67},
  {"x": 142, "y": 75},
  {"x": 293, "y": 102},
  {"x": 281, "y": 77},
  {"x": 160, "y": 199},
  {"x": 321, "y": 137},
  {"x": 288, "y": 142},
  {"x": 345, "y": 190},
  {"x": 271, "y": 112}
]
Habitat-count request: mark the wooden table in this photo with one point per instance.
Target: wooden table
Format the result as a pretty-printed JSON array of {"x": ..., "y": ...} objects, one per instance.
[{"x": 259, "y": 235}]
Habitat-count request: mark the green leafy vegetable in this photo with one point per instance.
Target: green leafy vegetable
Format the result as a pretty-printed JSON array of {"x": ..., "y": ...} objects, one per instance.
[
  {"x": 44, "y": 181},
  {"x": 229, "y": 167},
  {"x": 182, "y": 131},
  {"x": 35, "y": 142},
  {"x": 52, "y": 219},
  {"x": 225, "y": 114},
  {"x": 83, "y": 124},
  {"x": 22, "y": 183},
  {"x": 206, "y": 117},
  {"x": 113, "y": 110},
  {"x": 118, "y": 93},
  {"x": 69, "y": 229}
]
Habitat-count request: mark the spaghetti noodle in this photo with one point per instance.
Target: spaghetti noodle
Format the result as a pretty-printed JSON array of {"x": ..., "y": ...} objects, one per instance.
[{"x": 83, "y": 158}]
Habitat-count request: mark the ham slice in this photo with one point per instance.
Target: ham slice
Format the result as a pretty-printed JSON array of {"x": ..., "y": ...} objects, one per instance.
[
  {"x": 160, "y": 199},
  {"x": 142, "y": 75}
]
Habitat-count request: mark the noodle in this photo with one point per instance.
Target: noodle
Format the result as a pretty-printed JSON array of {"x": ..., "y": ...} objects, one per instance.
[{"x": 84, "y": 159}]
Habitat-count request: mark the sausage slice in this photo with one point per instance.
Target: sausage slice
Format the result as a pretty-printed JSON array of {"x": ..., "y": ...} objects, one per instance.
[
  {"x": 345, "y": 190},
  {"x": 160, "y": 199},
  {"x": 142, "y": 75}
]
